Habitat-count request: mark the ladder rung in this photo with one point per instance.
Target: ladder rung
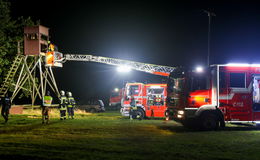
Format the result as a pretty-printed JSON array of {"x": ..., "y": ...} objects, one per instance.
[{"x": 10, "y": 74}]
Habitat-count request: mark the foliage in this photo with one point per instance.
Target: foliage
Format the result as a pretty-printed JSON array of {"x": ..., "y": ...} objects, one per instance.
[{"x": 11, "y": 32}]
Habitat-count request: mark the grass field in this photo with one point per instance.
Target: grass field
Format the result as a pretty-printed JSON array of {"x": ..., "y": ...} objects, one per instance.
[{"x": 109, "y": 136}]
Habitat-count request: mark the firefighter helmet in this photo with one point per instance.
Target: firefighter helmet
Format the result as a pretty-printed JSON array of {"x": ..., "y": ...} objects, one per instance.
[
  {"x": 69, "y": 94},
  {"x": 62, "y": 93}
]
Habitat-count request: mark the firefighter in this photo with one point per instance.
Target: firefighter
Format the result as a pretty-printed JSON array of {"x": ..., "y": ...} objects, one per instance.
[
  {"x": 6, "y": 105},
  {"x": 63, "y": 105},
  {"x": 133, "y": 108},
  {"x": 47, "y": 100},
  {"x": 51, "y": 47},
  {"x": 71, "y": 105}
]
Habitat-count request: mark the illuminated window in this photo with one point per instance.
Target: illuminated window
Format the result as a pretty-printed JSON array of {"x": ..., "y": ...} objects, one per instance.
[{"x": 237, "y": 80}]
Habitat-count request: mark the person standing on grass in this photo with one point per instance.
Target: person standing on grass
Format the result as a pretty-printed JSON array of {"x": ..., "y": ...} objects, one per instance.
[
  {"x": 6, "y": 105},
  {"x": 47, "y": 100},
  {"x": 63, "y": 105},
  {"x": 71, "y": 105},
  {"x": 133, "y": 108}
]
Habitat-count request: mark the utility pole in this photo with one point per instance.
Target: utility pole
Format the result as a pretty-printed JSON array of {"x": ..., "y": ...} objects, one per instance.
[{"x": 210, "y": 14}]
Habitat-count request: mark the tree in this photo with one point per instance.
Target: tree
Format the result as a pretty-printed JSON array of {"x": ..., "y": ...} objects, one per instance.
[{"x": 11, "y": 32}]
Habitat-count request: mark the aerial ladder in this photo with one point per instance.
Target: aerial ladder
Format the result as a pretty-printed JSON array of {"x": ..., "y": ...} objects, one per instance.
[
  {"x": 38, "y": 73},
  {"x": 139, "y": 66}
]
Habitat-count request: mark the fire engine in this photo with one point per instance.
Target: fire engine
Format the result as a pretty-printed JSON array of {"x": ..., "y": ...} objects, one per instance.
[
  {"x": 150, "y": 98},
  {"x": 116, "y": 98},
  {"x": 226, "y": 93}
]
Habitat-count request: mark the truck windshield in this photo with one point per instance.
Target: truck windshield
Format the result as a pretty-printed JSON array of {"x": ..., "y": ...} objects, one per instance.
[
  {"x": 197, "y": 82},
  {"x": 190, "y": 82},
  {"x": 133, "y": 90},
  {"x": 175, "y": 85}
]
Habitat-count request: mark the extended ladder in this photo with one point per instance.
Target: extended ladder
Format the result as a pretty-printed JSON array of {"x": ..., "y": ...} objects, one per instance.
[{"x": 139, "y": 66}]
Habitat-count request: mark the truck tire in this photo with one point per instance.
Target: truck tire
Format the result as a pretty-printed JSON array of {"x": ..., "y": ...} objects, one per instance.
[
  {"x": 209, "y": 121},
  {"x": 140, "y": 114}
]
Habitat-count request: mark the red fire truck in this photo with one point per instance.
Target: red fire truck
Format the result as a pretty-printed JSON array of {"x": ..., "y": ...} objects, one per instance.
[
  {"x": 209, "y": 99},
  {"x": 116, "y": 98},
  {"x": 150, "y": 98}
]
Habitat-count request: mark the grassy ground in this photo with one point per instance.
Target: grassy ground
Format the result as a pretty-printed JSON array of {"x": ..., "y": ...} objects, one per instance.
[{"x": 109, "y": 136}]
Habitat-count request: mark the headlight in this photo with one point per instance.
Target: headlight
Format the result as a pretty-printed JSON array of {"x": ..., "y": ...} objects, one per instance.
[
  {"x": 179, "y": 116},
  {"x": 181, "y": 112}
]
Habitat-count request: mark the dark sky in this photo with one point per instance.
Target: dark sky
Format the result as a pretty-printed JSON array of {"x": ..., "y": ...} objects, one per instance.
[{"x": 170, "y": 33}]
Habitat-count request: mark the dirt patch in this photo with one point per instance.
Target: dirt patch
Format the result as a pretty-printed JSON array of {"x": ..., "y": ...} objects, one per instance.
[{"x": 17, "y": 109}]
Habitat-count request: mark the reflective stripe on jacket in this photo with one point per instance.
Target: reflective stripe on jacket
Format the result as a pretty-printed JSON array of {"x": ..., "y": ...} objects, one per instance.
[
  {"x": 71, "y": 102},
  {"x": 63, "y": 102},
  {"x": 47, "y": 100}
]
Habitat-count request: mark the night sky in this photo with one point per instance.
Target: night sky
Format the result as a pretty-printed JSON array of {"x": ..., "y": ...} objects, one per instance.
[{"x": 170, "y": 33}]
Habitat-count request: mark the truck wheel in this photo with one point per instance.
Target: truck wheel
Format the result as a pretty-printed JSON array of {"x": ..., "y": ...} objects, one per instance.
[
  {"x": 140, "y": 114},
  {"x": 209, "y": 121}
]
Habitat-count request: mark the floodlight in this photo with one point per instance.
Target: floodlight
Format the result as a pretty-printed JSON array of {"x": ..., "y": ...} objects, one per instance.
[
  {"x": 199, "y": 69},
  {"x": 123, "y": 69}
]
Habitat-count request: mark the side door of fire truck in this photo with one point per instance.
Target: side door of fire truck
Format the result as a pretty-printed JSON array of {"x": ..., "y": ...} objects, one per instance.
[
  {"x": 155, "y": 103},
  {"x": 131, "y": 90},
  {"x": 136, "y": 90},
  {"x": 234, "y": 98}
]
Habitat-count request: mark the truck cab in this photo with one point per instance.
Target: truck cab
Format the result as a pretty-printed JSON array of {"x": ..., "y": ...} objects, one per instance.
[
  {"x": 150, "y": 99},
  {"x": 227, "y": 93}
]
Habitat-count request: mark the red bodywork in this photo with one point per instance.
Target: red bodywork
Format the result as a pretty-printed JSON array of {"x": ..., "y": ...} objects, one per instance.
[
  {"x": 116, "y": 98},
  {"x": 237, "y": 103},
  {"x": 155, "y": 103},
  {"x": 234, "y": 90},
  {"x": 151, "y": 98}
]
